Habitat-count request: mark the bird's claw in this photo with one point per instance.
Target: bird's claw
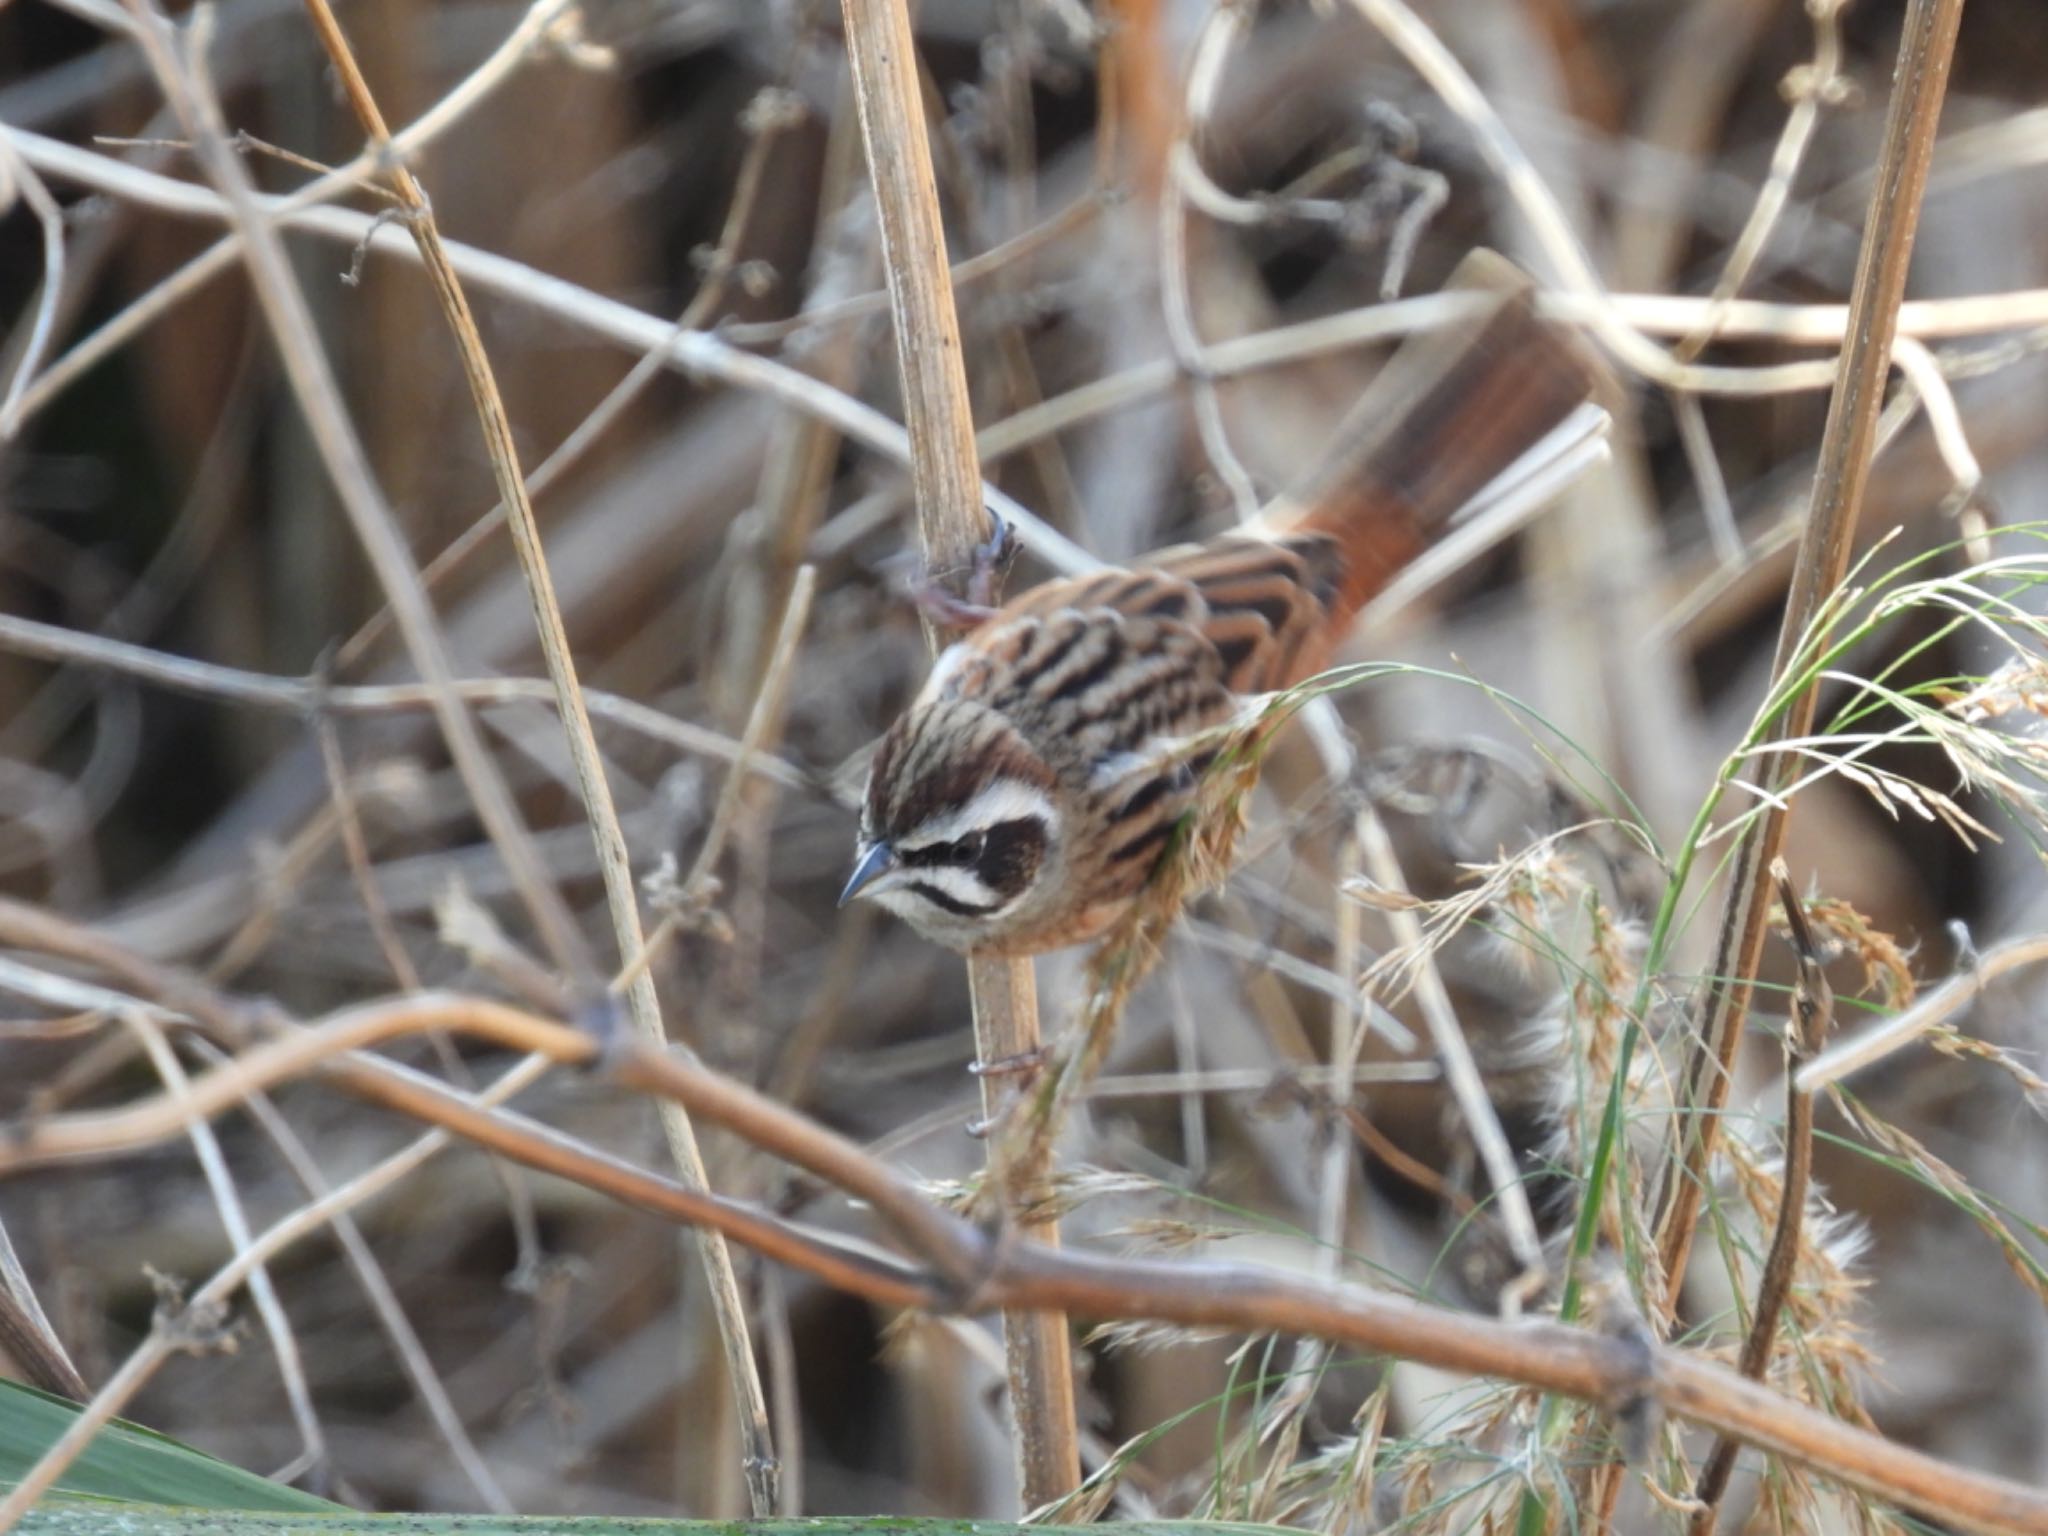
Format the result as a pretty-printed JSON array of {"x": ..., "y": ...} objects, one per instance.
[
  {"x": 990, "y": 563},
  {"x": 993, "y": 558},
  {"x": 1023, "y": 1064}
]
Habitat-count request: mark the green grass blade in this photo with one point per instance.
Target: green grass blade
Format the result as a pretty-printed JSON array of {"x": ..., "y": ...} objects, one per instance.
[{"x": 130, "y": 1464}]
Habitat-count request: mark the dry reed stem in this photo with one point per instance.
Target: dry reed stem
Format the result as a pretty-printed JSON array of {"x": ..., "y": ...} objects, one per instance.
[
  {"x": 946, "y": 477},
  {"x": 1925, "y": 50},
  {"x": 1005, "y": 1272}
]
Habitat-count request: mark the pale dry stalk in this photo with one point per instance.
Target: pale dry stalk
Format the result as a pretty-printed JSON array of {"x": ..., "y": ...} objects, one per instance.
[{"x": 946, "y": 477}]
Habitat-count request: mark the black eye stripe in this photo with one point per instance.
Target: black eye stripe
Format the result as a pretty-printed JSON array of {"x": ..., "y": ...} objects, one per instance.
[
  {"x": 974, "y": 847},
  {"x": 1004, "y": 860},
  {"x": 956, "y": 854},
  {"x": 947, "y": 902}
]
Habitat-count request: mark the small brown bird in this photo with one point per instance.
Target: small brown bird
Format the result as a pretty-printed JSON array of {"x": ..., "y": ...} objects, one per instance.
[{"x": 1027, "y": 794}]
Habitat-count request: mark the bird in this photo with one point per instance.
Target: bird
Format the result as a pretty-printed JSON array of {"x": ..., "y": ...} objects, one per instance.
[{"x": 1028, "y": 793}]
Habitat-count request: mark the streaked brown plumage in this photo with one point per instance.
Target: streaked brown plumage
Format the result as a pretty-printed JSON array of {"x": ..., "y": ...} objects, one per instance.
[{"x": 1026, "y": 795}]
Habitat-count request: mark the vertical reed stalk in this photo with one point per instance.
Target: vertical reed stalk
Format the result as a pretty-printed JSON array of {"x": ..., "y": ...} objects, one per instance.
[
  {"x": 946, "y": 476},
  {"x": 1925, "y": 49}
]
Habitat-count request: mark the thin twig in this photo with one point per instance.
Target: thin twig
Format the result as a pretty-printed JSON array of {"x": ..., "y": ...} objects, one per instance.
[
  {"x": 1334, "y": 1238},
  {"x": 1814, "y": 86},
  {"x": 1820, "y": 84},
  {"x": 796, "y": 468},
  {"x": 18, "y": 180},
  {"x": 1873, "y": 1045},
  {"x": 312, "y": 695},
  {"x": 356, "y": 853},
  {"x": 234, "y": 1221},
  {"x": 451, "y": 109},
  {"x": 1219, "y": 34},
  {"x": 706, "y": 355},
  {"x": 1813, "y": 1009},
  {"x": 764, "y": 123},
  {"x": 1461, "y": 1072},
  {"x": 377, "y": 1288},
  {"x": 761, "y": 724},
  {"x": 838, "y": 313},
  {"x": 171, "y": 1332}
]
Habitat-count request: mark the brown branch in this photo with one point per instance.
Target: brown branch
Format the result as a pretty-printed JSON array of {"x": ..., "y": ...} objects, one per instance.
[
  {"x": 1813, "y": 1010},
  {"x": 946, "y": 476},
  {"x": 1925, "y": 49},
  {"x": 1016, "y": 1275},
  {"x": 880, "y": 1279}
]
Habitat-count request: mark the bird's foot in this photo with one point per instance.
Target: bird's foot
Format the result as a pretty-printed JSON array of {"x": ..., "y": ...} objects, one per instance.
[
  {"x": 1023, "y": 1064},
  {"x": 991, "y": 561}
]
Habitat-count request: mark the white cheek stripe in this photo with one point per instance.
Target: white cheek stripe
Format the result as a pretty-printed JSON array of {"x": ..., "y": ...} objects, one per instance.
[
  {"x": 1004, "y": 800},
  {"x": 960, "y": 884}
]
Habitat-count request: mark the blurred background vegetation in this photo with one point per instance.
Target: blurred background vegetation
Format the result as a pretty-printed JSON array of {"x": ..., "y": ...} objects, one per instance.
[{"x": 700, "y": 158}]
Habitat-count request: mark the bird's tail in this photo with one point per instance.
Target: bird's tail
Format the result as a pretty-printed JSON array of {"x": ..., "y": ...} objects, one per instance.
[{"x": 1452, "y": 411}]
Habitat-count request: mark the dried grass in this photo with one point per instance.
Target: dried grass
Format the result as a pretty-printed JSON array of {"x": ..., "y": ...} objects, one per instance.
[{"x": 1175, "y": 225}]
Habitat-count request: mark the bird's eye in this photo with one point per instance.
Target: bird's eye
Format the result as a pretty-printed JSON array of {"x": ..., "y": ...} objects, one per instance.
[{"x": 968, "y": 850}]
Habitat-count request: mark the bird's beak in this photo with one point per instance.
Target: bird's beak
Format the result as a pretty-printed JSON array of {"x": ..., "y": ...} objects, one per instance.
[{"x": 876, "y": 860}]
